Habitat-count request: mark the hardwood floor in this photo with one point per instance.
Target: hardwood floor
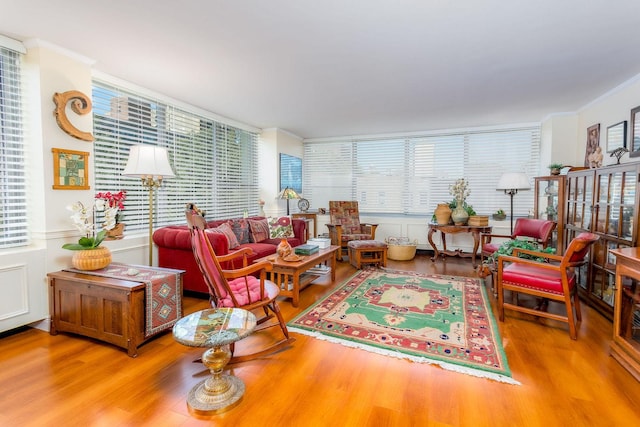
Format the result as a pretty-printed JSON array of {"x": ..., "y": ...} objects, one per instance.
[{"x": 66, "y": 380}]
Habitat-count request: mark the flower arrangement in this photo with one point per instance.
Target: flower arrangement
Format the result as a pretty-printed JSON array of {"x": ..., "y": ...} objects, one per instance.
[
  {"x": 460, "y": 189},
  {"x": 84, "y": 219},
  {"x": 114, "y": 200}
]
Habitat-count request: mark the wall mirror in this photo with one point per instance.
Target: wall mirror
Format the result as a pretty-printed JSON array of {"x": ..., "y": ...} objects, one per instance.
[
  {"x": 635, "y": 133},
  {"x": 616, "y": 136}
]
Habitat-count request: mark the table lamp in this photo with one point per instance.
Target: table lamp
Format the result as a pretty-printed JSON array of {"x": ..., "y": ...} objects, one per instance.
[{"x": 288, "y": 194}]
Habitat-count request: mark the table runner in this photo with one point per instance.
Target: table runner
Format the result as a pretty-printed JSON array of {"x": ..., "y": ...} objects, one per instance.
[{"x": 163, "y": 299}]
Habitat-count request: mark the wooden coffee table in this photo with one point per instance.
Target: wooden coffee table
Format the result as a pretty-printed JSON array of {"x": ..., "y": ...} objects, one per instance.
[{"x": 293, "y": 276}]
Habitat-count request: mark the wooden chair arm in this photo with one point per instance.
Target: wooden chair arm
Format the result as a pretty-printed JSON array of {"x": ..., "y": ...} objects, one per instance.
[
  {"x": 538, "y": 254},
  {"x": 235, "y": 254},
  {"x": 248, "y": 270},
  {"x": 486, "y": 237},
  {"x": 502, "y": 259}
]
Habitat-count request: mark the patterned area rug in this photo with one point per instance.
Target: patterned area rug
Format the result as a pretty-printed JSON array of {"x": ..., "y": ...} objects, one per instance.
[{"x": 442, "y": 320}]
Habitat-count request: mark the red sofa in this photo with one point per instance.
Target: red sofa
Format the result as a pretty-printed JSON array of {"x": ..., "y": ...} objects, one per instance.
[{"x": 174, "y": 249}]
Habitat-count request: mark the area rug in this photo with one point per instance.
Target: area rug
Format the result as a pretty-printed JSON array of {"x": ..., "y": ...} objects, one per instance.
[{"x": 427, "y": 318}]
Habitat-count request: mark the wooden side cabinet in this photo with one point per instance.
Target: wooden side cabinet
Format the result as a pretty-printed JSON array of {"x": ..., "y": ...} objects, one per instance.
[
  {"x": 549, "y": 203},
  {"x": 625, "y": 347},
  {"x": 103, "y": 308}
]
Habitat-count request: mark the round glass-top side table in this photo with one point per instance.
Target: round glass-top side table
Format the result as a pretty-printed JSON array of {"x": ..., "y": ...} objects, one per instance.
[{"x": 215, "y": 329}]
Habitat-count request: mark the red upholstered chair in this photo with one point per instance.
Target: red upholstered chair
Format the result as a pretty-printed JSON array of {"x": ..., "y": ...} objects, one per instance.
[
  {"x": 345, "y": 225},
  {"x": 554, "y": 280},
  {"x": 245, "y": 287},
  {"x": 539, "y": 230}
]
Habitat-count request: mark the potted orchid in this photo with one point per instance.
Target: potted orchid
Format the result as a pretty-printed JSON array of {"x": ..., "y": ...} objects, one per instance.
[
  {"x": 84, "y": 219},
  {"x": 114, "y": 200}
]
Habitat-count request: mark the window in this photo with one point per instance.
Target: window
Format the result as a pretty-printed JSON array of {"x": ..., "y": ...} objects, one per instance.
[
  {"x": 13, "y": 199},
  {"x": 410, "y": 175},
  {"x": 216, "y": 164}
]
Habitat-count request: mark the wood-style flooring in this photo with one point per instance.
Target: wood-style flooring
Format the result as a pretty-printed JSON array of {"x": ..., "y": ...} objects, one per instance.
[{"x": 66, "y": 380}]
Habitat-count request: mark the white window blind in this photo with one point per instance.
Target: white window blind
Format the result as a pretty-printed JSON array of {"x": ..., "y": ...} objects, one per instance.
[
  {"x": 13, "y": 199},
  {"x": 411, "y": 175},
  {"x": 216, "y": 165}
]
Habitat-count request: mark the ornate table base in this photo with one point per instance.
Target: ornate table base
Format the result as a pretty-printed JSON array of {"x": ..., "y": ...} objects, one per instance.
[
  {"x": 218, "y": 393},
  {"x": 450, "y": 228}
]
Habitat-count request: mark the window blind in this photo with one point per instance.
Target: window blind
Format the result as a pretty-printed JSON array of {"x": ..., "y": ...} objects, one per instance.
[
  {"x": 216, "y": 165},
  {"x": 410, "y": 175},
  {"x": 13, "y": 198}
]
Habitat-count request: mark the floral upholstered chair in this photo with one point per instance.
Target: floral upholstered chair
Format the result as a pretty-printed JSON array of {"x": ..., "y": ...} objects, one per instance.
[{"x": 345, "y": 225}]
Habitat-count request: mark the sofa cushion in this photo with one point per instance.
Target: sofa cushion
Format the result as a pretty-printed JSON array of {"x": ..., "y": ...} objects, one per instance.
[
  {"x": 280, "y": 228},
  {"x": 226, "y": 230},
  {"x": 241, "y": 229},
  {"x": 259, "y": 230}
]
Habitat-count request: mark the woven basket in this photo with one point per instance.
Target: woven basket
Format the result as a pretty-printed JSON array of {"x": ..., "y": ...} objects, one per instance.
[{"x": 401, "y": 248}]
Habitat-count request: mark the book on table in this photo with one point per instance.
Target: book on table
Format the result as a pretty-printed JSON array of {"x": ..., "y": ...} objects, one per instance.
[{"x": 306, "y": 249}]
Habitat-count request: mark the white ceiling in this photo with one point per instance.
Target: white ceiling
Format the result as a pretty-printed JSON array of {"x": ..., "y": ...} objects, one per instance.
[{"x": 320, "y": 68}]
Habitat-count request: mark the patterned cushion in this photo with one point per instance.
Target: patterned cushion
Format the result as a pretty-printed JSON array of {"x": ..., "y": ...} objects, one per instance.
[
  {"x": 345, "y": 213},
  {"x": 241, "y": 229},
  {"x": 280, "y": 227},
  {"x": 259, "y": 230},
  {"x": 363, "y": 244},
  {"x": 228, "y": 233}
]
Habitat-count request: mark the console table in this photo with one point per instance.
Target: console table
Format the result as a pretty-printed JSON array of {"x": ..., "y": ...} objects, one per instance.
[
  {"x": 453, "y": 229},
  {"x": 309, "y": 217}
]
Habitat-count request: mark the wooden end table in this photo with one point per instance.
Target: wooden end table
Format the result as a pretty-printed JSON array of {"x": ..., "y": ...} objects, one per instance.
[
  {"x": 292, "y": 277},
  {"x": 452, "y": 229},
  {"x": 215, "y": 329}
]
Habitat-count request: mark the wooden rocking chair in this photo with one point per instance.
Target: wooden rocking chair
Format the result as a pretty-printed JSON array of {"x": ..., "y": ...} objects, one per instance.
[{"x": 245, "y": 288}]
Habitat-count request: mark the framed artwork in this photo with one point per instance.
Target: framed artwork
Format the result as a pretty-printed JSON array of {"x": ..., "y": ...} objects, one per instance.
[
  {"x": 593, "y": 147},
  {"x": 634, "y": 137},
  {"x": 290, "y": 172},
  {"x": 616, "y": 136},
  {"x": 70, "y": 169}
]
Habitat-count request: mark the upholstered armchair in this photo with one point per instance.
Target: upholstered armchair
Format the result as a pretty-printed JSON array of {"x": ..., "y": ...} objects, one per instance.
[
  {"x": 550, "y": 281},
  {"x": 538, "y": 230},
  {"x": 345, "y": 225}
]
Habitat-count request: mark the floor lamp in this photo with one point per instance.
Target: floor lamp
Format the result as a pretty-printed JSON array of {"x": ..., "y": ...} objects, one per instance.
[
  {"x": 151, "y": 165},
  {"x": 288, "y": 194},
  {"x": 511, "y": 182}
]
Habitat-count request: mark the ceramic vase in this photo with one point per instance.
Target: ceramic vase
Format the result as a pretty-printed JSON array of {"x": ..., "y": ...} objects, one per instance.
[
  {"x": 284, "y": 248},
  {"x": 459, "y": 214},
  {"x": 116, "y": 232},
  {"x": 91, "y": 259},
  {"x": 443, "y": 214}
]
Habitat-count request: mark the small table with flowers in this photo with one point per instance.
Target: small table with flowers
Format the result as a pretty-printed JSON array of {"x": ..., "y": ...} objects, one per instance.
[{"x": 452, "y": 229}]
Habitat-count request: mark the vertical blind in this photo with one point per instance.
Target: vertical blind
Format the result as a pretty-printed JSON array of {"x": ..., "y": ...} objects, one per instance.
[
  {"x": 216, "y": 165},
  {"x": 13, "y": 198},
  {"x": 410, "y": 175}
]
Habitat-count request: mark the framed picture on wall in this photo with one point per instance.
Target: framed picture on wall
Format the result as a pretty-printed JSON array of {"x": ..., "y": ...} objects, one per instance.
[
  {"x": 70, "y": 169},
  {"x": 290, "y": 172},
  {"x": 616, "y": 136},
  {"x": 593, "y": 151},
  {"x": 634, "y": 137}
]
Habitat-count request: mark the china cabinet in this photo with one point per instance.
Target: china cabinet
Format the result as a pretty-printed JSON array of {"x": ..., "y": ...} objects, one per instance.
[
  {"x": 625, "y": 347},
  {"x": 602, "y": 201},
  {"x": 549, "y": 204}
]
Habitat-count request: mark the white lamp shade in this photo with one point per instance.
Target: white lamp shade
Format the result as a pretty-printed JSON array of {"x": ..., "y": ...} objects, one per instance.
[
  {"x": 148, "y": 161},
  {"x": 513, "y": 181}
]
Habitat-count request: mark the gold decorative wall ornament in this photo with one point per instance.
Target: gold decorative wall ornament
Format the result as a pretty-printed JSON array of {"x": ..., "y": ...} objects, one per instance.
[{"x": 80, "y": 104}]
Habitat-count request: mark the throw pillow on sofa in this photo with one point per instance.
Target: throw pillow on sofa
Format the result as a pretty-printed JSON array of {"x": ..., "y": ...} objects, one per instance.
[
  {"x": 241, "y": 229},
  {"x": 280, "y": 228},
  {"x": 228, "y": 233},
  {"x": 259, "y": 230}
]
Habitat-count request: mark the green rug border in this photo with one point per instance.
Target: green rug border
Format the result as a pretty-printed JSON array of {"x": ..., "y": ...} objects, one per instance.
[{"x": 501, "y": 376}]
